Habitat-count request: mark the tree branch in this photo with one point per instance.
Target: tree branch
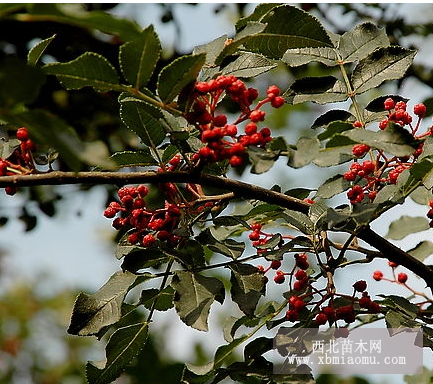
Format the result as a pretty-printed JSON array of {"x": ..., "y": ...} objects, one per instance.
[{"x": 240, "y": 189}]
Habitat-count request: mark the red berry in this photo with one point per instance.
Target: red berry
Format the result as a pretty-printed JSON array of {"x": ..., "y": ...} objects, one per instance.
[
  {"x": 389, "y": 104},
  {"x": 360, "y": 286},
  {"x": 402, "y": 277},
  {"x": 383, "y": 124},
  {"x": 255, "y": 235},
  {"x": 301, "y": 275},
  {"x": 357, "y": 124},
  {"x": 341, "y": 332},
  {"x": 292, "y": 315},
  {"x": 3, "y": 167},
  {"x": 252, "y": 94},
  {"x": 302, "y": 261},
  {"x": 255, "y": 139},
  {"x": 299, "y": 285},
  {"x": 22, "y": 134},
  {"x": 279, "y": 277},
  {"x": 365, "y": 302},
  {"x": 377, "y": 275},
  {"x": 420, "y": 110},
  {"x": 256, "y": 226},
  {"x": 110, "y": 212},
  {"x": 359, "y": 150},
  {"x": 275, "y": 264},
  {"x": 368, "y": 167},
  {"x": 11, "y": 190},
  {"x": 392, "y": 264},
  {"x": 321, "y": 319},
  {"x": 257, "y": 115},
  {"x": 400, "y": 105},
  {"x": 202, "y": 87},
  {"x": 265, "y": 132},
  {"x": 349, "y": 176},
  {"x": 273, "y": 90},
  {"x": 133, "y": 238},
  {"x": 250, "y": 129},
  {"x": 148, "y": 240},
  {"x": 277, "y": 102},
  {"x": 374, "y": 307},
  {"x": 330, "y": 313},
  {"x": 142, "y": 190},
  {"x": 220, "y": 120},
  {"x": 231, "y": 130}
]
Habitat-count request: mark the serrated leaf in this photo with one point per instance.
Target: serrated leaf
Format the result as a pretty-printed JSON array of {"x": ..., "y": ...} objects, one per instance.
[
  {"x": 211, "y": 49},
  {"x": 91, "y": 313},
  {"x": 303, "y": 30},
  {"x": 306, "y": 151},
  {"x": 249, "y": 65},
  {"x": 332, "y": 187},
  {"x": 37, "y": 51},
  {"x": 87, "y": 70},
  {"x": 178, "y": 74},
  {"x": 377, "y": 104},
  {"x": 383, "y": 64},
  {"x": 333, "y": 129},
  {"x": 258, "y": 13},
  {"x": 124, "y": 344},
  {"x": 138, "y": 57},
  {"x": 194, "y": 296},
  {"x": 361, "y": 41},
  {"x": 421, "y": 195},
  {"x": 299, "y": 220},
  {"x": 159, "y": 300},
  {"x": 332, "y": 116},
  {"x": 403, "y": 304},
  {"x": 296, "y": 57},
  {"x": 394, "y": 319},
  {"x": 422, "y": 250},
  {"x": 406, "y": 225},
  {"x": 191, "y": 254},
  {"x": 394, "y": 140},
  {"x": 144, "y": 119},
  {"x": 247, "y": 286},
  {"x": 321, "y": 90},
  {"x": 227, "y": 247},
  {"x": 133, "y": 158}
]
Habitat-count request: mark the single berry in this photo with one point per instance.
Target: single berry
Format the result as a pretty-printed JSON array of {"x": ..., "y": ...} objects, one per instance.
[
  {"x": 401, "y": 105},
  {"x": 377, "y": 275},
  {"x": 301, "y": 275},
  {"x": 402, "y": 277},
  {"x": 357, "y": 124},
  {"x": 389, "y": 104},
  {"x": 22, "y": 134},
  {"x": 365, "y": 302},
  {"x": 110, "y": 212},
  {"x": 359, "y": 150},
  {"x": 349, "y": 176},
  {"x": 148, "y": 240},
  {"x": 383, "y": 124},
  {"x": 392, "y": 264},
  {"x": 279, "y": 277},
  {"x": 3, "y": 167},
  {"x": 257, "y": 115},
  {"x": 273, "y": 90},
  {"x": 220, "y": 120},
  {"x": 302, "y": 261},
  {"x": 277, "y": 102},
  {"x": 250, "y": 129},
  {"x": 420, "y": 110},
  {"x": 133, "y": 238},
  {"x": 202, "y": 87},
  {"x": 231, "y": 130},
  {"x": 360, "y": 286},
  {"x": 299, "y": 285},
  {"x": 292, "y": 315},
  {"x": 374, "y": 307},
  {"x": 368, "y": 167},
  {"x": 275, "y": 264},
  {"x": 255, "y": 235},
  {"x": 11, "y": 190},
  {"x": 321, "y": 319}
]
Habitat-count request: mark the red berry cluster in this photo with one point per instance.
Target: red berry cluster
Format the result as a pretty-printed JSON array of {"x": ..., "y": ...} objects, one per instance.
[
  {"x": 370, "y": 176},
  {"x": 20, "y": 162},
  {"x": 222, "y": 139}
]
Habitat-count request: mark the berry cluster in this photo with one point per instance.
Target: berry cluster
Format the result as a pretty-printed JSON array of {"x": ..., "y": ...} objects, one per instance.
[
  {"x": 371, "y": 175},
  {"x": 222, "y": 139},
  {"x": 20, "y": 162}
]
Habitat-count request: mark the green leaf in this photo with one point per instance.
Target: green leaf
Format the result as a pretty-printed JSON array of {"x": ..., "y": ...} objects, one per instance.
[
  {"x": 249, "y": 65},
  {"x": 332, "y": 116},
  {"x": 296, "y": 57},
  {"x": 332, "y": 187},
  {"x": 321, "y": 90},
  {"x": 333, "y": 129},
  {"x": 421, "y": 195},
  {"x": 394, "y": 319},
  {"x": 303, "y": 30},
  {"x": 178, "y": 74},
  {"x": 403, "y": 304},
  {"x": 20, "y": 83},
  {"x": 247, "y": 286},
  {"x": 133, "y": 158},
  {"x": 124, "y": 344},
  {"x": 261, "y": 159},
  {"x": 87, "y": 70},
  {"x": 159, "y": 300},
  {"x": 383, "y": 64},
  {"x": 271, "y": 243},
  {"x": 8, "y": 146},
  {"x": 306, "y": 151},
  {"x": 75, "y": 14},
  {"x": 334, "y": 156},
  {"x": 361, "y": 41},
  {"x": 223, "y": 352},
  {"x": 422, "y": 250},
  {"x": 194, "y": 296},
  {"x": 191, "y": 254},
  {"x": 91, "y": 313},
  {"x": 212, "y": 49},
  {"x": 406, "y": 225},
  {"x": 37, "y": 51},
  {"x": 299, "y": 220},
  {"x": 252, "y": 29},
  {"x": 394, "y": 140},
  {"x": 138, "y": 57},
  {"x": 259, "y": 11},
  {"x": 377, "y": 104},
  {"x": 228, "y": 247},
  {"x": 144, "y": 119}
]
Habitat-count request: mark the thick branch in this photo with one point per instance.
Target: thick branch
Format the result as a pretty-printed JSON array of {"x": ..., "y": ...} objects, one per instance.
[{"x": 240, "y": 189}]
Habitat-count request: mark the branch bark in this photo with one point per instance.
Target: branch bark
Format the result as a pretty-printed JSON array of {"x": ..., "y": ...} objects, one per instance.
[{"x": 240, "y": 189}]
